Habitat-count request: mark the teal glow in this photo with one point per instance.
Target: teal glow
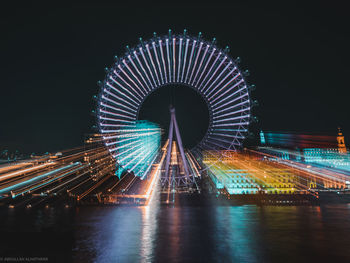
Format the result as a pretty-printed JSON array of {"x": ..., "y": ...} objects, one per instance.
[
  {"x": 137, "y": 148},
  {"x": 327, "y": 157},
  {"x": 262, "y": 137}
]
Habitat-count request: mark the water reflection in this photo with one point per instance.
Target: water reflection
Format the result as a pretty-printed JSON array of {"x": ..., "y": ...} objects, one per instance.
[
  {"x": 236, "y": 237},
  {"x": 109, "y": 235},
  {"x": 212, "y": 234},
  {"x": 149, "y": 227},
  {"x": 180, "y": 234}
]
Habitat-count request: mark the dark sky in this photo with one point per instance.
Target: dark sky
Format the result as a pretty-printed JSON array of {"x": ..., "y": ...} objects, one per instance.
[
  {"x": 51, "y": 57},
  {"x": 192, "y": 115}
]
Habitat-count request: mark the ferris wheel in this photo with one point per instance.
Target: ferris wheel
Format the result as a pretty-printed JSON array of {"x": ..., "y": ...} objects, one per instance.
[{"x": 177, "y": 59}]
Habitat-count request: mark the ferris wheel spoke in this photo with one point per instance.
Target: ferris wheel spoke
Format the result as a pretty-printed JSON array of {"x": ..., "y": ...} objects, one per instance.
[
  {"x": 152, "y": 62},
  {"x": 127, "y": 84},
  {"x": 228, "y": 90},
  {"x": 200, "y": 64},
  {"x": 168, "y": 58},
  {"x": 105, "y": 103},
  {"x": 213, "y": 74},
  {"x": 185, "y": 59},
  {"x": 195, "y": 61},
  {"x": 246, "y": 109},
  {"x": 163, "y": 60},
  {"x": 190, "y": 61},
  {"x": 209, "y": 89},
  {"x": 233, "y": 106},
  {"x": 157, "y": 60},
  {"x": 121, "y": 93},
  {"x": 223, "y": 86},
  {"x": 203, "y": 83},
  {"x": 143, "y": 70},
  {"x": 135, "y": 77},
  {"x": 230, "y": 124},
  {"x": 115, "y": 120},
  {"x": 199, "y": 82},
  {"x": 147, "y": 65},
  {"x": 139, "y": 73},
  {"x": 174, "y": 59},
  {"x": 117, "y": 115},
  {"x": 179, "y": 59},
  {"x": 231, "y": 119},
  {"x": 132, "y": 81},
  {"x": 126, "y": 90}
]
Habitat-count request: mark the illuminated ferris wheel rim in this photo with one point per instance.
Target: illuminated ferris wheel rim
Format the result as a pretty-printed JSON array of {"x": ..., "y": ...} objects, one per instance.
[{"x": 178, "y": 60}]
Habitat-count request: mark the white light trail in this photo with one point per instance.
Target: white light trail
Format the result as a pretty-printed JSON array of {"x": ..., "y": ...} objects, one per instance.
[
  {"x": 201, "y": 87},
  {"x": 144, "y": 71},
  {"x": 131, "y": 80},
  {"x": 151, "y": 59},
  {"x": 180, "y": 54},
  {"x": 190, "y": 61},
  {"x": 183, "y": 69},
  {"x": 200, "y": 64},
  {"x": 135, "y": 76},
  {"x": 138, "y": 72},
  {"x": 195, "y": 61},
  {"x": 163, "y": 61},
  {"x": 158, "y": 63}
]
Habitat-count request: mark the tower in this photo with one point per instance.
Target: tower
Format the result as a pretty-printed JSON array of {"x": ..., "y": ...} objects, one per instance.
[{"x": 341, "y": 142}]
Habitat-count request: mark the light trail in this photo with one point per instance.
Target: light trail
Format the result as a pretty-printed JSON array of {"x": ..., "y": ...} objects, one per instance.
[
  {"x": 137, "y": 70},
  {"x": 36, "y": 178},
  {"x": 151, "y": 59},
  {"x": 147, "y": 65},
  {"x": 158, "y": 63},
  {"x": 154, "y": 178},
  {"x": 135, "y": 76},
  {"x": 46, "y": 182},
  {"x": 190, "y": 61},
  {"x": 13, "y": 166},
  {"x": 17, "y": 173}
]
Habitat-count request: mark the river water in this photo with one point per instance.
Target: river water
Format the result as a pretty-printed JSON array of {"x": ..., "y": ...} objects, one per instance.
[{"x": 246, "y": 233}]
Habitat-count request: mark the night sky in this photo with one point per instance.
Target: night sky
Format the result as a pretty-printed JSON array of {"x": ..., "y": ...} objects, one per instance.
[{"x": 52, "y": 56}]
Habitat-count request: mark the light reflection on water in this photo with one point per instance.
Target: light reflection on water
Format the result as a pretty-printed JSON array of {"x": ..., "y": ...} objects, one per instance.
[
  {"x": 149, "y": 228},
  {"x": 236, "y": 229},
  {"x": 180, "y": 234},
  {"x": 217, "y": 234}
]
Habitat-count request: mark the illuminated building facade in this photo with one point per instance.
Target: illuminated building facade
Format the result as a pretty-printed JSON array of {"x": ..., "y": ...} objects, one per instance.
[
  {"x": 338, "y": 158},
  {"x": 327, "y": 157},
  {"x": 240, "y": 173}
]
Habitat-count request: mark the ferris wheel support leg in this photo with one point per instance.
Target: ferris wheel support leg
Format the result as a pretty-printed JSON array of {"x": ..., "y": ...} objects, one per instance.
[
  {"x": 168, "y": 154},
  {"x": 179, "y": 142}
]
